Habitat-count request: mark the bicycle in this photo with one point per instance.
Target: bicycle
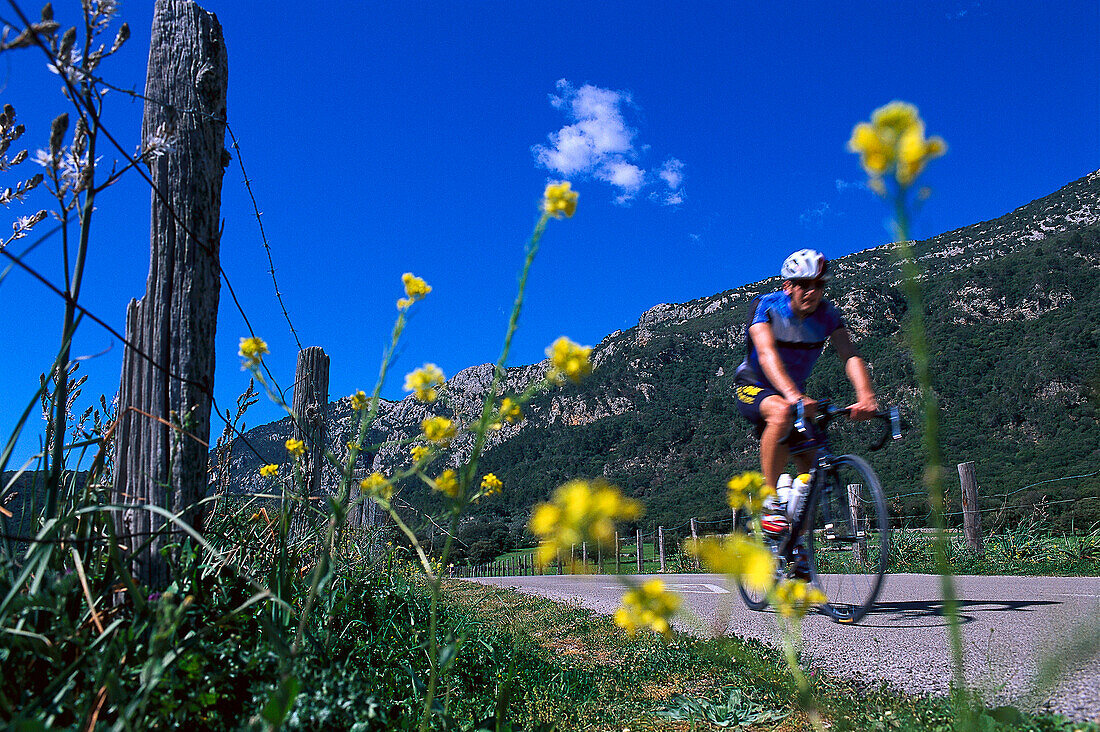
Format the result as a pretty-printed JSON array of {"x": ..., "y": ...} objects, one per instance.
[{"x": 841, "y": 520}]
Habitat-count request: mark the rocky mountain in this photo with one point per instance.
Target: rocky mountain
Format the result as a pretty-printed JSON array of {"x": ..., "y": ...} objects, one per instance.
[{"x": 1013, "y": 313}]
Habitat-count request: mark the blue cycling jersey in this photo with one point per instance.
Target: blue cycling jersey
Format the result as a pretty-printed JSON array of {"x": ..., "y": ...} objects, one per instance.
[{"x": 799, "y": 341}]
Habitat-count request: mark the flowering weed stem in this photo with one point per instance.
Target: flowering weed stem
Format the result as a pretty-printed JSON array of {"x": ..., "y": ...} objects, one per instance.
[{"x": 894, "y": 151}]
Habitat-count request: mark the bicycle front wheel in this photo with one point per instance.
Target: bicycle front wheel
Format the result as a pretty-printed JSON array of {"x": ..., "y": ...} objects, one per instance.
[
  {"x": 848, "y": 539},
  {"x": 755, "y": 598}
]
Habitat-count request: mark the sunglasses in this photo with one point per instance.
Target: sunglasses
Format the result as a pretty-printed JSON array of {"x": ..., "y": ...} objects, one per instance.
[{"x": 809, "y": 284}]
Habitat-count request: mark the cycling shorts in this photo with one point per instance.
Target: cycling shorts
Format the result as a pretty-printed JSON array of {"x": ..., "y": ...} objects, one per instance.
[{"x": 749, "y": 397}]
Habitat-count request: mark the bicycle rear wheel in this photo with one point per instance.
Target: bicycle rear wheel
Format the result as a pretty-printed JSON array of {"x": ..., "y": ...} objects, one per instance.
[{"x": 848, "y": 539}]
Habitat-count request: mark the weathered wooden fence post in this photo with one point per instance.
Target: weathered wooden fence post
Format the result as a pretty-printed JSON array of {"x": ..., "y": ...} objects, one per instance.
[
  {"x": 617, "y": 552},
  {"x": 855, "y": 519},
  {"x": 661, "y": 546},
  {"x": 694, "y": 538},
  {"x": 972, "y": 515},
  {"x": 363, "y": 512},
  {"x": 638, "y": 536},
  {"x": 584, "y": 553},
  {"x": 168, "y": 366},
  {"x": 308, "y": 404}
]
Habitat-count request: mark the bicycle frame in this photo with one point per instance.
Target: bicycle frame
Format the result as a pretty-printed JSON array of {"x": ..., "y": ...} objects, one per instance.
[{"x": 814, "y": 437}]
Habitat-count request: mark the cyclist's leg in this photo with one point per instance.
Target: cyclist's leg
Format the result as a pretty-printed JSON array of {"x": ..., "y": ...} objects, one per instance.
[
  {"x": 774, "y": 454},
  {"x": 757, "y": 404},
  {"x": 804, "y": 461}
]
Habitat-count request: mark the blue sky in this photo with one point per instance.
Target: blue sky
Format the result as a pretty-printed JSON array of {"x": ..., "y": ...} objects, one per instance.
[{"x": 707, "y": 141}]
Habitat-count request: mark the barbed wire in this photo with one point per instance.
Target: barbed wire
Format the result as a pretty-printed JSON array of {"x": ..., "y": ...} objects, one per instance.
[
  {"x": 84, "y": 109},
  {"x": 134, "y": 94}
]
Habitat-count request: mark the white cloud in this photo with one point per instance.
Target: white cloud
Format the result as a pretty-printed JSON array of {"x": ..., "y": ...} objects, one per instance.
[
  {"x": 623, "y": 175},
  {"x": 672, "y": 173},
  {"x": 843, "y": 185},
  {"x": 814, "y": 217},
  {"x": 960, "y": 13},
  {"x": 597, "y": 143}
]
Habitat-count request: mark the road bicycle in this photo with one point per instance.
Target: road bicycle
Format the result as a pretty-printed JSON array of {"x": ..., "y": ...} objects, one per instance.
[{"x": 841, "y": 521}]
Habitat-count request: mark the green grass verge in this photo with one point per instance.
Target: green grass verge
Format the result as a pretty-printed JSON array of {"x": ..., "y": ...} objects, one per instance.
[{"x": 578, "y": 669}]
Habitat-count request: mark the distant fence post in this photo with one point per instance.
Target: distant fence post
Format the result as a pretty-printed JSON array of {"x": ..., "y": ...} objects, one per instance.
[
  {"x": 584, "y": 552},
  {"x": 661, "y": 546},
  {"x": 694, "y": 538},
  {"x": 855, "y": 520},
  {"x": 617, "y": 552},
  {"x": 167, "y": 379},
  {"x": 972, "y": 516},
  {"x": 638, "y": 534},
  {"x": 308, "y": 404}
]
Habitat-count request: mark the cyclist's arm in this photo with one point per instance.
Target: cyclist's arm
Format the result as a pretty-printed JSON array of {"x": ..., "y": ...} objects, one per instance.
[
  {"x": 866, "y": 405},
  {"x": 774, "y": 371}
]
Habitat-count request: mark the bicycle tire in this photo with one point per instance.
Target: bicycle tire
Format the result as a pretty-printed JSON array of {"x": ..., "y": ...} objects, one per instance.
[
  {"x": 848, "y": 549},
  {"x": 753, "y": 598}
]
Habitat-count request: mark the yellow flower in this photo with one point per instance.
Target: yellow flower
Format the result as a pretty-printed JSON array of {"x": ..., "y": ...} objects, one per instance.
[
  {"x": 439, "y": 430},
  {"x": 579, "y": 511},
  {"x": 894, "y": 141},
  {"x": 376, "y": 484},
  {"x": 269, "y": 471},
  {"x": 415, "y": 289},
  {"x": 648, "y": 606},
  {"x": 296, "y": 448},
  {"x": 447, "y": 483},
  {"x": 738, "y": 556},
  {"x": 252, "y": 350},
  {"x": 423, "y": 381},
  {"x": 794, "y": 598},
  {"x": 569, "y": 359},
  {"x": 747, "y": 491},
  {"x": 894, "y": 119},
  {"x": 354, "y": 446},
  {"x": 559, "y": 200},
  {"x": 419, "y": 452},
  {"x": 509, "y": 412},
  {"x": 491, "y": 484},
  {"x": 359, "y": 400}
]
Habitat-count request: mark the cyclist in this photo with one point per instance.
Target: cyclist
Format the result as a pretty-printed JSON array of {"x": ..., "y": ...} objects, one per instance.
[{"x": 785, "y": 337}]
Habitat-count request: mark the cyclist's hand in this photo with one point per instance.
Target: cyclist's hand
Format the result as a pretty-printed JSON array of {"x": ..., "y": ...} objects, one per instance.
[
  {"x": 865, "y": 408},
  {"x": 809, "y": 405}
]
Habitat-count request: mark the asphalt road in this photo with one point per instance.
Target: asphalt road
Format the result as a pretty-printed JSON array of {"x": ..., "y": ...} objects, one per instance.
[{"x": 1009, "y": 624}]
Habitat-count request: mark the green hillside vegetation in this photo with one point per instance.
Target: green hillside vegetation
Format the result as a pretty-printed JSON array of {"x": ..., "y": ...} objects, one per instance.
[{"x": 1014, "y": 347}]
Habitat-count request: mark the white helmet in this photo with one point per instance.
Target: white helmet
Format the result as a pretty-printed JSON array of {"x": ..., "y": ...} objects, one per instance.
[{"x": 806, "y": 264}]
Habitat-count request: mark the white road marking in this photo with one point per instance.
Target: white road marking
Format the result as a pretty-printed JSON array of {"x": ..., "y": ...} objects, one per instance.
[
  {"x": 687, "y": 589},
  {"x": 709, "y": 589}
]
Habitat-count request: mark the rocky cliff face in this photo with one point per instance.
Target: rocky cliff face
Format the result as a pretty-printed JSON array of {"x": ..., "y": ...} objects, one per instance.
[{"x": 657, "y": 385}]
